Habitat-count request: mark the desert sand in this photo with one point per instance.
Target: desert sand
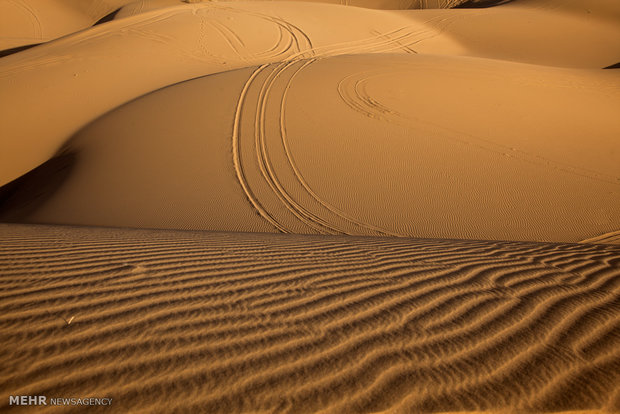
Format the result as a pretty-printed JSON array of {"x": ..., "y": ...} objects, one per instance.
[
  {"x": 249, "y": 322},
  {"x": 356, "y": 206}
]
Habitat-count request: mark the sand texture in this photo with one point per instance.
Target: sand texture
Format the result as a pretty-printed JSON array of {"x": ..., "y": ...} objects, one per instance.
[
  {"x": 323, "y": 206},
  {"x": 417, "y": 123},
  {"x": 225, "y": 322},
  {"x": 255, "y": 158}
]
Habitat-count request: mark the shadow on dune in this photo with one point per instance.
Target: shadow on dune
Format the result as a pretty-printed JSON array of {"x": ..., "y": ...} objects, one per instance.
[
  {"x": 481, "y": 4},
  {"x": 24, "y": 195},
  {"x": 107, "y": 18},
  {"x": 614, "y": 66},
  {"x": 7, "y": 52}
]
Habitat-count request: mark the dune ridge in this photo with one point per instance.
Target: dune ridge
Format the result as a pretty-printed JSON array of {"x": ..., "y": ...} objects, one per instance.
[
  {"x": 70, "y": 66},
  {"x": 230, "y": 322},
  {"x": 385, "y": 162}
]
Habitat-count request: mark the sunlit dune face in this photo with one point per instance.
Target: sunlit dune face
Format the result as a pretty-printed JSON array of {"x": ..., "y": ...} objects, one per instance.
[{"x": 375, "y": 156}]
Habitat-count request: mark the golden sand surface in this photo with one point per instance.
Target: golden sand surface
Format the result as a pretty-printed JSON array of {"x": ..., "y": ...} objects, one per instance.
[
  {"x": 450, "y": 123},
  {"x": 170, "y": 321},
  {"x": 327, "y": 206}
]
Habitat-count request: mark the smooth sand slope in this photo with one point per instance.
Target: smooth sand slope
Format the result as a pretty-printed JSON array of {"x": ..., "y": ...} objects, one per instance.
[
  {"x": 26, "y": 22},
  {"x": 357, "y": 145},
  {"x": 138, "y": 7},
  {"x": 224, "y": 322},
  {"x": 49, "y": 92}
]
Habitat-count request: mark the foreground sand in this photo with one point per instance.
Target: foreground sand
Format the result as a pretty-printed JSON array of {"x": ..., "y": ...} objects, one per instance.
[{"x": 233, "y": 322}]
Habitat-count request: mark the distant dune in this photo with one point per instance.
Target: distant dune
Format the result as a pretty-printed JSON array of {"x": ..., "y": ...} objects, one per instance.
[
  {"x": 24, "y": 22},
  {"x": 224, "y": 322}
]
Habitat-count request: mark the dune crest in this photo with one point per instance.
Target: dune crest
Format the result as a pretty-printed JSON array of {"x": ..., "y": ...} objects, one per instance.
[
  {"x": 24, "y": 22},
  {"x": 385, "y": 163}
]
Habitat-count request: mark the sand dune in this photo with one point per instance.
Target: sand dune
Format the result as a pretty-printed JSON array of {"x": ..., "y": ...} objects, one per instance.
[
  {"x": 182, "y": 42},
  {"x": 27, "y": 22},
  {"x": 193, "y": 40},
  {"x": 24, "y": 22},
  {"x": 374, "y": 157},
  {"x": 138, "y": 7},
  {"x": 224, "y": 322},
  {"x": 553, "y": 35}
]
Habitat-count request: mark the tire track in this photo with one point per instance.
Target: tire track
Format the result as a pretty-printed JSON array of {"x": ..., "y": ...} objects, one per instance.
[
  {"x": 612, "y": 237},
  {"x": 353, "y": 90},
  {"x": 397, "y": 39}
]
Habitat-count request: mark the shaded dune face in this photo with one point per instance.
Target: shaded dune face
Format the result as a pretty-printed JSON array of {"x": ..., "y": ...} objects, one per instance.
[
  {"x": 240, "y": 151},
  {"x": 224, "y": 322}
]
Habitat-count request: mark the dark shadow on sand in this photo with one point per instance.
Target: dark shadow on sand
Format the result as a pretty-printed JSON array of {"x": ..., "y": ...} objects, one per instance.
[
  {"x": 22, "y": 196},
  {"x": 7, "y": 52},
  {"x": 107, "y": 17},
  {"x": 614, "y": 66},
  {"x": 481, "y": 4}
]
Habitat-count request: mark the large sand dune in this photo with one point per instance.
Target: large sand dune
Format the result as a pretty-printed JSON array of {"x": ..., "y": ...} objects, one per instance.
[
  {"x": 224, "y": 322},
  {"x": 91, "y": 72},
  {"x": 28, "y": 22},
  {"x": 49, "y": 92},
  {"x": 241, "y": 151},
  {"x": 483, "y": 147}
]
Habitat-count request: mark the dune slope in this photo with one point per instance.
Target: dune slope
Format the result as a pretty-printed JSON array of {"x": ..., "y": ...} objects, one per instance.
[
  {"x": 24, "y": 22},
  {"x": 49, "y": 92},
  {"x": 401, "y": 145}
]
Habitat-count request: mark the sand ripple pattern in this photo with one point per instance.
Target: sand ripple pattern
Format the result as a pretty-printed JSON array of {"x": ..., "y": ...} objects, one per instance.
[{"x": 166, "y": 321}]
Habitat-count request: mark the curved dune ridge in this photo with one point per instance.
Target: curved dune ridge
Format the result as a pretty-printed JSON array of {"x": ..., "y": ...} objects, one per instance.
[
  {"x": 373, "y": 157},
  {"x": 232, "y": 322},
  {"x": 446, "y": 173},
  {"x": 26, "y": 22},
  {"x": 88, "y": 73}
]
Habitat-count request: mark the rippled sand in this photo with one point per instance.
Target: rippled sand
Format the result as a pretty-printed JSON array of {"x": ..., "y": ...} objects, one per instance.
[{"x": 241, "y": 322}]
